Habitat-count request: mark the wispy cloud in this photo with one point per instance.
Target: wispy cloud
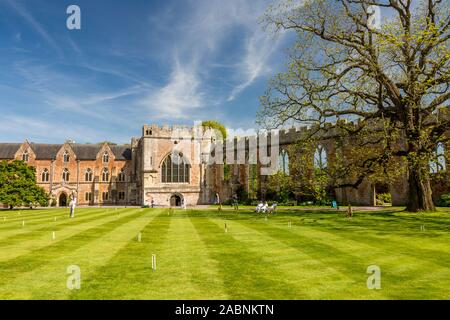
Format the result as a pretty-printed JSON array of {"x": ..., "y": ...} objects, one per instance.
[
  {"x": 47, "y": 131},
  {"x": 34, "y": 24},
  {"x": 181, "y": 94},
  {"x": 258, "y": 49},
  {"x": 73, "y": 94},
  {"x": 199, "y": 49}
]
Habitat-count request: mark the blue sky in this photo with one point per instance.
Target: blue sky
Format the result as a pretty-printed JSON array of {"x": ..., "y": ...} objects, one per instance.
[{"x": 132, "y": 62}]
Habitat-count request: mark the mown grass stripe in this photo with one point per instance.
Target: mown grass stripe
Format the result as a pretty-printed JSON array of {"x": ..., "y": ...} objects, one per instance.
[
  {"x": 11, "y": 269},
  {"x": 128, "y": 274},
  {"x": 21, "y": 244},
  {"x": 182, "y": 258},
  {"x": 245, "y": 274},
  {"x": 18, "y": 233},
  {"x": 309, "y": 276},
  {"x": 347, "y": 255},
  {"x": 89, "y": 258}
]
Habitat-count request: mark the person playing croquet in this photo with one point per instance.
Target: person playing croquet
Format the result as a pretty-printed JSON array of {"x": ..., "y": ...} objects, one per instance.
[
  {"x": 235, "y": 202},
  {"x": 72, "y": 206}
]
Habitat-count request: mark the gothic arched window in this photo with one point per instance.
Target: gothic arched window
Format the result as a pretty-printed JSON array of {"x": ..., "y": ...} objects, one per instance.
[
  {"x": 66, "y": 157},
  {"x": 121, "y": 176},
  {"x": 25, "y": 156},
  {"x": 283, "y": 162},
  {"x": 106, "y": 157},
  {"x": 174, "y": 169},
  {"x": 438, "y": 164},
  {"x": 105, "y": 175},
  {"x": 65, "y": 175},
  {"x": 320, "y": 158},
  {"x": 88, "y": 175},
  {"x": 45, "y": 175}
]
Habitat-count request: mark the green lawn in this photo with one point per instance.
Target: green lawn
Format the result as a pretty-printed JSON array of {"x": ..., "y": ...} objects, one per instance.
[{"x": 322, "y": 256}]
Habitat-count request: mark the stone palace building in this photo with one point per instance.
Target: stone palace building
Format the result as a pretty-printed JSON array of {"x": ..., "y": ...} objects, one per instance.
[{"x": 169, "y": 165}]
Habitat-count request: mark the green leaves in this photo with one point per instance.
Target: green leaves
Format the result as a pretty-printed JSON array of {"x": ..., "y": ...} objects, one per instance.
[{"x": 18, "y": 185}]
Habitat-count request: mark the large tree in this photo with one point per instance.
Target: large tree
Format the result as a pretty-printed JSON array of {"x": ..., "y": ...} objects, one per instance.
[
  {"x": 18, "y": 185},
  {"x": 389, "y": 76}
]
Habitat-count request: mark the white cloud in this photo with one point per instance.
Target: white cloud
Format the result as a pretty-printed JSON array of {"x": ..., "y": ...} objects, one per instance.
[
  {"x": 258, "y": 49},
  {"x": 175, "y": 99},
  {"x": 199, "y": 49}
]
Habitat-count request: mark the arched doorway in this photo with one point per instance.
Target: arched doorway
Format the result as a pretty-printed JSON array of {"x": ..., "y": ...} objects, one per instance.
[
  {"x": 175, "y": 200},
  {"x": 63, "y": 200}
]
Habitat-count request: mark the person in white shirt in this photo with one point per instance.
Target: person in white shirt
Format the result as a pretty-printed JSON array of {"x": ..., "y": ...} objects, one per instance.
[
  {"x": 265, "y": 207},
  {"x": 259, "y": 207},
  {"x": 72, "y": 206}
]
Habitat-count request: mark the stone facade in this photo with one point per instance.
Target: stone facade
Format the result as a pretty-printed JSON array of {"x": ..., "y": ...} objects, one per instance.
[{"x": 140, "y": 173}]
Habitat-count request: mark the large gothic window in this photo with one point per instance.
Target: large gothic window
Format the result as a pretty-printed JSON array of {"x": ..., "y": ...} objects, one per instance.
[
  {"x": 174, "y": 169},
  {"x": 283, "y": 162},
  {"x": 320, "y": 158},
  {"x": 438, "y": 164}
]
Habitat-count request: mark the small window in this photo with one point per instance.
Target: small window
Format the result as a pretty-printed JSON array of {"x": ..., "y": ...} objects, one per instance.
[
  {"x": 45, "y": 175},
  {"x": 121, "y": 195},
  {"x": 88, "y": 176},
  {"x": 121, "y": 176},
  {"x": 88, "y": 196},
  {"x": 66, "y": 175},
  {"x": 105, "y": 196},
  {"x": 283, "y": 162},
  {"x": 105, "y": 175},
  {"x": 106, "y": 157},
  {"x": 66, "y": 157},
  {"x": 25, "y": 156}
]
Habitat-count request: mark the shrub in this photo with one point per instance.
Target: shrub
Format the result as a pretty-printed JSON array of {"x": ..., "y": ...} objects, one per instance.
[
  {"x": 444, "y": 200},
  {"x": 384, "y": 198}
]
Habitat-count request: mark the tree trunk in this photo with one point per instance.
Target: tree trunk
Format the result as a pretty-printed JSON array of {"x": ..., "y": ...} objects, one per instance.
[{"x": 420, "y": 194}]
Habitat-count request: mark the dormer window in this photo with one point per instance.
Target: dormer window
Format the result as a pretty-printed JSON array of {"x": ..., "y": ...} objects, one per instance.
[
  {"x": 106, "y": 157},
  {"x": 25, "y": 156},
  {"x": 66, "y": 157}
]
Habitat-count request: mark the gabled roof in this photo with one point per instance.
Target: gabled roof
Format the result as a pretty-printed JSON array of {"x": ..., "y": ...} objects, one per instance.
[
  {"x": 49, "y": 151},
  {"x": 86, "y": 151},
  {"x": 121, "y": 152},
  {"x": 8, "y": 150},
  {"x": 45, "y": 151}
]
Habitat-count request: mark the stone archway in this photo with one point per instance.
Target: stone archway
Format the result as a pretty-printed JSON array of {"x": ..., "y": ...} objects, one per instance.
[
  {"x": 175, "y": 200},
  {"x": 62, "y": 200}
]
